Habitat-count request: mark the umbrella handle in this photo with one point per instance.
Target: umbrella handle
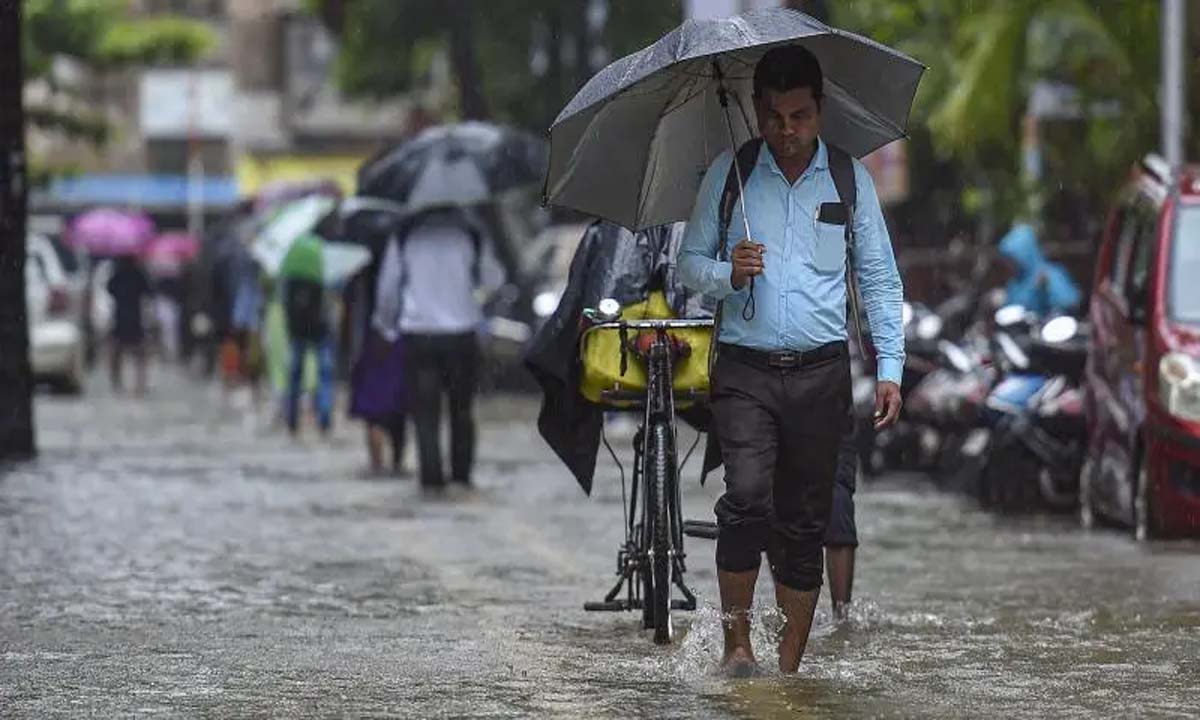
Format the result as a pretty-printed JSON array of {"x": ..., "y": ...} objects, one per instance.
[{"x": 723, "y": 97}]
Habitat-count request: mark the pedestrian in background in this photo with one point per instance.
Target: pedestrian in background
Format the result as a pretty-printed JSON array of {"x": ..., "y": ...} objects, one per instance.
[
  {"x": 168, "y": 299},
  {"x": 243, "y": 356},
  {"x": 377, "y": 395},
  {"x": 1035, "y": 283},
  {"x": 428, "y": 296},
  {"x": 129, "y": 286},
  {"x": 308, "y": 311},
  {"x": 841, "y": 535}
]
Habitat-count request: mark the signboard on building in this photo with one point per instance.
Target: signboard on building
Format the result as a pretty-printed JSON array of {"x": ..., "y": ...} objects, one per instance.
[
  {"x": 254, "y": 172},
  {"x": 183, "y": 103}
]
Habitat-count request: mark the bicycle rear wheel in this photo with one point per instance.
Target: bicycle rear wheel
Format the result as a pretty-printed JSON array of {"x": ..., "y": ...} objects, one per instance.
[{"x": 658, "y": 488}]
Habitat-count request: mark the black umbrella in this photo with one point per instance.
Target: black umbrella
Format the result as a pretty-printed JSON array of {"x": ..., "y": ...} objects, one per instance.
[
  {"x": 461, "y": 164},
  {"x": 633, "y": 144}
]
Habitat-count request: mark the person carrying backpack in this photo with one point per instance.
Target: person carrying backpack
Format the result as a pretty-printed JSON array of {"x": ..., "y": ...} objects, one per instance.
[
  {"x": 434, "y": 271},
  {"x": 307, "y": 310},
  {"x": 780, "y": 390}
]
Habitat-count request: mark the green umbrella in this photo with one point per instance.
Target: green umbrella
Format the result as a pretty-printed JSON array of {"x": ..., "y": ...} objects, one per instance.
[
  {"x": 288, "y": 224},
  {"x": 305, "y": 259}
]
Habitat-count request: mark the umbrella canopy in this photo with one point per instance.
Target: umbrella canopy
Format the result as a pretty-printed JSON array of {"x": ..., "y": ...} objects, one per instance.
[
  {"x": 304, "y": 260},
  {"x": 633, "y": 144},
  {"x": 108, "y": 231},
  {"x": 329, "y": 263},
  {"x": 290, "y": 223},
  {"x": 457, "y": 165},
  {"x": 167, "y": 254},
  {"x": 369, "y": 221}
]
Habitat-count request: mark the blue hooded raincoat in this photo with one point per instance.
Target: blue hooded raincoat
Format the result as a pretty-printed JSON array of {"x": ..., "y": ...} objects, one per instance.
[{"x": 1058, "y": 294}]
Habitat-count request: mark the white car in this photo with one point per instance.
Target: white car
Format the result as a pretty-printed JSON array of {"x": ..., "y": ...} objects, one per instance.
[{"x": 52, "y": 298}]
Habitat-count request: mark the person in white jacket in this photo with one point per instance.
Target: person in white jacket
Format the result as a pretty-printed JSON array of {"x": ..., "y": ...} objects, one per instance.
[{"x": 434, "y": 275}]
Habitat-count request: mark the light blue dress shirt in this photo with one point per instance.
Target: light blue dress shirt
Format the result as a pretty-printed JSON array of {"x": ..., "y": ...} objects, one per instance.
[{"x": 800, "y": 297}]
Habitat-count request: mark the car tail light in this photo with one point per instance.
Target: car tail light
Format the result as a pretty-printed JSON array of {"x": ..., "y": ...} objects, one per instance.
[{"x": 59, "y": 302}]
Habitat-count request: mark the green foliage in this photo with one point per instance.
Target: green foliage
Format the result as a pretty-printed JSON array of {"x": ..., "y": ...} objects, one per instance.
[
  {"x": 985, "y": 58},
  {"x": 387, "y": 47},
  {"x": 154, "y": 41},
  {"x": 97, "y": 34},
  {"x": 84, "y": 125},
  {"x": 62, "y": 27}
]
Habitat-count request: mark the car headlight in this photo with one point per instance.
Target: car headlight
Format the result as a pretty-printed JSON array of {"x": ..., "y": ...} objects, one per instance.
[
  {"x": 545, "y": 303},
  {"x": 1179, "y": 385}
]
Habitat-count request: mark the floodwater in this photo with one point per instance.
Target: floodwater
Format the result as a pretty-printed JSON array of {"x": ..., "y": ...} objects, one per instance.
[{"x": 175, "y": 556}]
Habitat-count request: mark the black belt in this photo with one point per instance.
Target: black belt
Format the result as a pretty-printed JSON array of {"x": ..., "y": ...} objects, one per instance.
[{"x": 784, "y": 359}]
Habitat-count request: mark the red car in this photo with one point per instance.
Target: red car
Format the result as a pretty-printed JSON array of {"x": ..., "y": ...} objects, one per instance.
[{"x": 1143, "y": 373}]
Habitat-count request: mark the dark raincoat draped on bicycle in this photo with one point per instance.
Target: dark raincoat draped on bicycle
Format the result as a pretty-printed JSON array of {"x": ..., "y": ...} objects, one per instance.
[{"x": 610, "y": 262}]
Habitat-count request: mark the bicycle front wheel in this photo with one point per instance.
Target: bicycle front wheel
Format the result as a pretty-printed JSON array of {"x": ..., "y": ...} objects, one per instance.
[{"x": 659, "y": 466}]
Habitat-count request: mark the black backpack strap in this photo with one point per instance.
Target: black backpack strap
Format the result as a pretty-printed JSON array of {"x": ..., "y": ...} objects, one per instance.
[
  {"x": 747, "y": 158},
  {"x": 841, "y": 167}
]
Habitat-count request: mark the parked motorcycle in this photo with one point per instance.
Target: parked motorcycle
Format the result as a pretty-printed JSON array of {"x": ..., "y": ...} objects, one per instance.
[
  {"x": 939, "y": 358},
  {"x": 1035, "y": 414},
  {"x": 949, "y": 403}
]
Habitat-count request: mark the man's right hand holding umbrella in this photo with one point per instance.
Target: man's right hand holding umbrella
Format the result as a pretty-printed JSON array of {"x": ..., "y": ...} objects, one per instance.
[{"x": 747, "y": 260}]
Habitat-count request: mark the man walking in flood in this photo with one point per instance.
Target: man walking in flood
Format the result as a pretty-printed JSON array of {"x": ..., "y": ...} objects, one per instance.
[{"x": 781, "y": 384}]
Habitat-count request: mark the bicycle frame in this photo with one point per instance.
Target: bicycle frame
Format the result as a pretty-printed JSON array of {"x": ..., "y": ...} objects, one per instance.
[{"x": 657, "y": 404}]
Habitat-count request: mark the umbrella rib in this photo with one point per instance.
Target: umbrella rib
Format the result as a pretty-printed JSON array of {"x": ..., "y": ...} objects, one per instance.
[
  {"x": 697, "y": 90},
  {"x": 652, "y": 170},
  {"x": 872, "y": 112}
]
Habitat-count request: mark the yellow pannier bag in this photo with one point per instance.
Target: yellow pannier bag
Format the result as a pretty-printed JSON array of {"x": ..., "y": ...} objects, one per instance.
[{"x": 600, "y": 351}]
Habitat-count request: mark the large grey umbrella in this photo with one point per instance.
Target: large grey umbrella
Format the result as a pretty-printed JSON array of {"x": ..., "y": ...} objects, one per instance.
[
  {"x": 633, "y": 144},
  {"x": 461, "y": 164}
]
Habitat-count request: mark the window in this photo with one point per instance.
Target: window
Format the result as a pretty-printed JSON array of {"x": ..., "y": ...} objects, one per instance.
[
  {"x": 1183, "y": 291},
  {"x": 1141, "y": 259},
  {"x": 1118, "y": 263}
]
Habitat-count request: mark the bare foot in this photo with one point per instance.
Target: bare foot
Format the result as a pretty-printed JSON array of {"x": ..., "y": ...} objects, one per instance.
[
  {"x": 797, "y": 607},
  {"x": 739, "y": 663}
]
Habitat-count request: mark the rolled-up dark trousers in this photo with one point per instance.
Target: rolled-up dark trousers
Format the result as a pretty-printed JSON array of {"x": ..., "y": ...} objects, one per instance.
[
  {"x": 779, "y": 428},
  {"x": 843, "y": 531}
]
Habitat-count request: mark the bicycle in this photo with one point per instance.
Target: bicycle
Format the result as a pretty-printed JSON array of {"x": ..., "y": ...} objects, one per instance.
[{"x": 651, "y": 562}]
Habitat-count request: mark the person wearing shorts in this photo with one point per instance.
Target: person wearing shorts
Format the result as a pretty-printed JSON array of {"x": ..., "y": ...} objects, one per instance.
[{"x": 841, "y": 534}]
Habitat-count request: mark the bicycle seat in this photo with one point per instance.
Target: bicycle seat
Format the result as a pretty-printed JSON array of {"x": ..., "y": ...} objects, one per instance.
[{"x": 641, "y": 345}]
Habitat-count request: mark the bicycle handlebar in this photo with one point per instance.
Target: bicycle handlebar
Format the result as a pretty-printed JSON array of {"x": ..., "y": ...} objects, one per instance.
[{"x": 654, "y": 324}]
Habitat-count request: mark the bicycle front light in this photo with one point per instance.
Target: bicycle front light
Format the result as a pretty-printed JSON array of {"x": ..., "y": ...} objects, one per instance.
[
  {"x": 609, "y": 309},
  {"x": 1179, "y": 386}
]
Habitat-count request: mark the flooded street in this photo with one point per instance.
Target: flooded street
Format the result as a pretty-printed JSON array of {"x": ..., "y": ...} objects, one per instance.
[{"x": 170, "y": 557}]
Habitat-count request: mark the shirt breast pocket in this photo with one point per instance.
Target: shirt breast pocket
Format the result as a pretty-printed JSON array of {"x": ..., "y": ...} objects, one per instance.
[{"x": 829, "y": 247}]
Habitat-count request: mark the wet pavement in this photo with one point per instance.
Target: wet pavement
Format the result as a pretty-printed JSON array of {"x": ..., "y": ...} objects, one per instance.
[{"x": 172, "y": 557}]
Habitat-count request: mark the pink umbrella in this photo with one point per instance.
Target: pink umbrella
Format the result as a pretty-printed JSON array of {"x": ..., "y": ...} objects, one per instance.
[
  {"x": 169, "y": 251},
  {"x": 107, "y": 231}
]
